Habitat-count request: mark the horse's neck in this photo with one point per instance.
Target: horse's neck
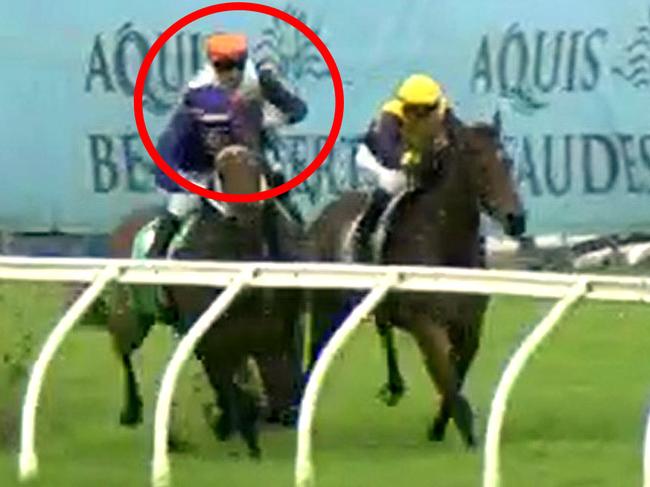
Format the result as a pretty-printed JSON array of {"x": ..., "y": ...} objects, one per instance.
[
  {"x": 452, "y": 187},
  {"x": 236, "y": 235},
  {"x": 454, "y": 203},
  {"x": 439, "y": 226}
]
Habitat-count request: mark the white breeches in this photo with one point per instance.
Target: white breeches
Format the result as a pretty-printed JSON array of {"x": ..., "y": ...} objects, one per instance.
[
  {"x": 392, "y": 181},
  {"x": 181, "y": 204}
]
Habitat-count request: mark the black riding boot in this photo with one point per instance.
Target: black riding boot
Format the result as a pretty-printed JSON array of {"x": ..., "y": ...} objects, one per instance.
[
  {"x": 367, "y": 225},
  {"x": 166, "y": 227}
]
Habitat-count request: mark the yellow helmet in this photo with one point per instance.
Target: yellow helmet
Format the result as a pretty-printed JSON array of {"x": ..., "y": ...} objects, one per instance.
[{"x": 420, "y": 89}]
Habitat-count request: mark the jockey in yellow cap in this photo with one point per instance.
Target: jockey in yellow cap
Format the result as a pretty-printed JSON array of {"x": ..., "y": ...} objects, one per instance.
[
  {"x": 409, "y": 127},
  {"x": 412, "y": 126}
]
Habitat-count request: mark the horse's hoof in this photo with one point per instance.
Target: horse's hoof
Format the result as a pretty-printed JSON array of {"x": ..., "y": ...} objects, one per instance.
[
  {"x": 274, "y": 416},
  {"x": 168, "y": 315},
  {"x": 289, "y": 417},
  {"x": 464, "y": 419},
  {"x": 391, "y": 395},
  {"x": 177, "y": 445},
  {"x": 472, "y": 444},
  {"x": 436, "y": 431},
  {"x": 255, "y": 453},
  {"x": 131, "y": 417},
  {"x": 223, "y": 429}
]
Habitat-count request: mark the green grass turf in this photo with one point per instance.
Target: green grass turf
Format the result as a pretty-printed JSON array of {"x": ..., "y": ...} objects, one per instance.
[{"x": 576, "y": 418}]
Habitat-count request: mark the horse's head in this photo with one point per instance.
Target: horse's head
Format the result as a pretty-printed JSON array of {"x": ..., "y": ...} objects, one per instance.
[
  {"x": 497, "y": 189},
  {"x": 238, "y": 170}
]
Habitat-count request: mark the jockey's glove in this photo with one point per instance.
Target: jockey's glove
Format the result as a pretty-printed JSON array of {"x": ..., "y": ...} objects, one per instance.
[
  {"x": 410, "y": 158},
  {"x": 279, "y": 95}
]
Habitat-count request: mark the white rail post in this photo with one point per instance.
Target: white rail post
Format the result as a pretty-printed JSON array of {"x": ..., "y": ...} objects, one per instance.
[
  {"x": 491, "y": 466},
  {"x": 160, "y": 471},
  {"x": 304, "y": 469},
  {"x": 28, "y": 460},
  {"x": 646, "y": 454}
]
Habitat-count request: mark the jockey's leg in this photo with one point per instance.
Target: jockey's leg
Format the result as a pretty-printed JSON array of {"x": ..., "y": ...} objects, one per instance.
[
  {"x": 178, "y": 207},
  {"x": 378, "y": 202},
  {"x": 166, "y": 227}
]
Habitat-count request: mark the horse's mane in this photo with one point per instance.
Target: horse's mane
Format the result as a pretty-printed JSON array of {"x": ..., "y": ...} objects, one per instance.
[
  {"x": 467, "y": 140},
  {"x": 479, "y": 136}
]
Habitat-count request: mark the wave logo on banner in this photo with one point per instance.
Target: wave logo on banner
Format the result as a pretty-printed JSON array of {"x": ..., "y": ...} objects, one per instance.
[
  {"x": 119, "y": 161},
  {"x": 636, "y": 70},
  {"x": 113, "y": 66},
  {"x": 293, "y": 54}
]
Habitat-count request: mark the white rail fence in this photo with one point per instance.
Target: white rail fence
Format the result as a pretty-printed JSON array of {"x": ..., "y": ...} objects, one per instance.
[{"x": 379, "y": 280}]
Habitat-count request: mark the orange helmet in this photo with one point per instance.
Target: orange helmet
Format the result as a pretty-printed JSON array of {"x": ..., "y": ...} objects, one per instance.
[{"x": 230, "y": 48}]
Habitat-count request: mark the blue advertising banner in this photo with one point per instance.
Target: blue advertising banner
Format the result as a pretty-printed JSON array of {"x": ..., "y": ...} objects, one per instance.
[{"x": 571, "y": 86}]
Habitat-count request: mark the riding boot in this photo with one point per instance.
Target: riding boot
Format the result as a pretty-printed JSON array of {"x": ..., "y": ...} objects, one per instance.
[
  {"x": 166, "y": 228},
  {"x": 167, "y": 225},
  {"x": 367, "y": 225}
]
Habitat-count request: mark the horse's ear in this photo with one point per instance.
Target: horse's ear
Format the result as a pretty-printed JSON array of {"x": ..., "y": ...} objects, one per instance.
[
  {"x": 481, "y": 137},
  {"x": 487, "y": 130}
]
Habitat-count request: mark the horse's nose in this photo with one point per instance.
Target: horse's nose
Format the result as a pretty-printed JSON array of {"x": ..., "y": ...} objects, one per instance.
[{"x": 515, "y": 224}]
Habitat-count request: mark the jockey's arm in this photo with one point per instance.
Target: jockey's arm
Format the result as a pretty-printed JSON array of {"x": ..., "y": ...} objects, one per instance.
[
  {"x": 381, "y": 152},
  {"x": 172, "y": 145},
  {"x": 273, "y": 90},
  {"x": 384, "y": 139}
]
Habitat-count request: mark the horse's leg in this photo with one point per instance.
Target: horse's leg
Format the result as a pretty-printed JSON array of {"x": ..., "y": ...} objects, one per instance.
[
  {"x": 224, "y": 426},
  {"x": 439, "y": 426},
  {"x": 466, "y": 344},
  {"x": 128, "y": 330},
  {"x": 279, "y": 361},
  {"x": 326, "y": 315},
  {"x": 281, "y": 386},
  {"x": 239, "y": 405},
  {"x": 393, "y": 390},
  {"x": 330, "y": 310},
  {"x": 435, "y": 344},
  {"x": 246, "y": 406},
  {"x": 131, "y": 414}
]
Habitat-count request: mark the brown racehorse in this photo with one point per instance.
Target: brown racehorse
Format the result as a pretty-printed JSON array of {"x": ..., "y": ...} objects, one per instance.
[
  {"x": 259, "y": 324},
  {"x": 435, "y": 223}
]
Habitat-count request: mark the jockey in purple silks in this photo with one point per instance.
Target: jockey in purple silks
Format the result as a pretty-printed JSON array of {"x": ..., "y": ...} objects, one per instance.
[
  {"x": 414, "y": 125},
  {"x": 214, "y": 114}
]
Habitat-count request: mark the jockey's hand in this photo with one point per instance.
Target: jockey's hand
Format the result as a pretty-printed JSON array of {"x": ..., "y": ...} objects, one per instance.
[
  {"x": 267, "y": 73},
  {"x": 276, "y": 178},
  {"x": 275, "y": 91},
  {"x": 410, "y": 158}
]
